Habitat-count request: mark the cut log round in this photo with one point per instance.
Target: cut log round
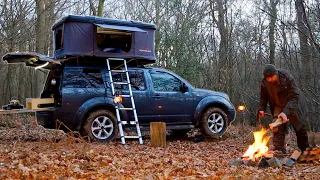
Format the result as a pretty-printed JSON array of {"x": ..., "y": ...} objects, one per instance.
[{"x": 158, "y": 134}]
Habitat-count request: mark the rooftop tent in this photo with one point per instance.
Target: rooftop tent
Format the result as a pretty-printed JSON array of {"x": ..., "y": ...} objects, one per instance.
[{"x": 103, "y": 37}]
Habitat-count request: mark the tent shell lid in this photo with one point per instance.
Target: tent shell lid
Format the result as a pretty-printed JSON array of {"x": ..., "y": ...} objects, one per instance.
[{"x": 100, "y": 20}]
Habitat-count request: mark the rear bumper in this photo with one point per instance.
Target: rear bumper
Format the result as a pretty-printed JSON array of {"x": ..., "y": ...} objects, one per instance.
[{"x": 45, "y": 119}]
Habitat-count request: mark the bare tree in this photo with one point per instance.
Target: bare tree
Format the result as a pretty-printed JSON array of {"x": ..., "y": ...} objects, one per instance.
[
  {"x": 272, "y": 24},
  {"x": 100, "y": 7},
  {"x": 220, "y": 21},
  {"x": 40, "y": 26},
  {"x": 303, "y": 32}
]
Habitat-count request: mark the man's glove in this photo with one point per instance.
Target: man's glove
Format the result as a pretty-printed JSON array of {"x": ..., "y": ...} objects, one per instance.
[
  {"x": 283, "y": 116},
  {"x": 261, "y": 114}
]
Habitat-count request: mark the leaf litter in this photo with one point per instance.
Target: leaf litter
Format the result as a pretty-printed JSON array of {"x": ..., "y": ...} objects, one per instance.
[{"x": 28, "y": 151}]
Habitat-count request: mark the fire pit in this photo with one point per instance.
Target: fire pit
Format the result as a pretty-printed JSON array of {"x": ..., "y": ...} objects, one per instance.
[
  {"x": 259, "y": 147},
  {"x": 258, "y": 154}
]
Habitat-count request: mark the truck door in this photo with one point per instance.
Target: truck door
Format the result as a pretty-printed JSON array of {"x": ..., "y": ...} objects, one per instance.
[
  {"x": 139, "y": 91},
  {"x": 168, "y": 103}
]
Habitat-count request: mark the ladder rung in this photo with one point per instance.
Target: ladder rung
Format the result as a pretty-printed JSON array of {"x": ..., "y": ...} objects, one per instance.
[
  {"x": 130, "y": 122},
  {"x": 131, "y": 137},
  {"x": 125, "y": 95},
  {"x": 118, "y": 70},
  {"x": 126, "y": 109},
  {"x": 117, "y": 59},
  {"x": 120, "y": 83},
  {"x": 120, "y": 122}
]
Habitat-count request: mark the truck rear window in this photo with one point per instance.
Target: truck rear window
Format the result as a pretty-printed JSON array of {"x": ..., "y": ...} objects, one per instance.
[
  {"x": 83, "y": 78},
  {"x": 136, "y": 79}
]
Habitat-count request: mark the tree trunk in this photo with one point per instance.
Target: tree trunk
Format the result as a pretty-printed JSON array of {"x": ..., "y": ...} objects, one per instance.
[
  {"x": 272, "y": 24},
  {"x": 40, "y": 26},
  {"x": 49, "y": 21},
  {"x": 223, "y": 65},
  {"x": 92, "y": 8},
  {"x": 304, "y": 43},
  {"x": 100, "y": 7}
]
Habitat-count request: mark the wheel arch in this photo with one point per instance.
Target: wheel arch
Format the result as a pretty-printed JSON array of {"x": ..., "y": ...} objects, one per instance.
[
  {"x": 211, "y": 102},
  {"x": 101, "y": 126},
  {"x": 93, "y": 105}
]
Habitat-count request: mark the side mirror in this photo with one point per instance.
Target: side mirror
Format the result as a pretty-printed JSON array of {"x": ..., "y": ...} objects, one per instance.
[{"x": 184, "y": 87}]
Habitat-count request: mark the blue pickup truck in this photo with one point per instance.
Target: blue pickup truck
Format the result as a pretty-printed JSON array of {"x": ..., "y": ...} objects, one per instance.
[
  {"x": 83, "y": 100},
  {"x": 79, "y": 82}
]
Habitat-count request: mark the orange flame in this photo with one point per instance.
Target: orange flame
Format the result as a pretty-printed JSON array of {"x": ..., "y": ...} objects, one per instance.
[{"x": 259, "y": 147}]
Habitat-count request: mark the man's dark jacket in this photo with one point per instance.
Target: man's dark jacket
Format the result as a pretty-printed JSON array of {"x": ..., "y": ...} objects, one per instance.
[{"x": 292, "y": 101}]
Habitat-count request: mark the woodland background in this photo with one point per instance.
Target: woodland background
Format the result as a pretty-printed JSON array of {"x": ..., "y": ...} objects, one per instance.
[{"x": 221, "y": 45}]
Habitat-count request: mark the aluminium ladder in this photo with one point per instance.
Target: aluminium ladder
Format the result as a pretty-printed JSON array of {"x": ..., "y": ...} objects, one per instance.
[{"x": 133, "y": 108}]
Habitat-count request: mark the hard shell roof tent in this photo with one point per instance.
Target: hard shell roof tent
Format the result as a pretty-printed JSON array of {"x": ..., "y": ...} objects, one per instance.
[{"x": 103, "y": 37}]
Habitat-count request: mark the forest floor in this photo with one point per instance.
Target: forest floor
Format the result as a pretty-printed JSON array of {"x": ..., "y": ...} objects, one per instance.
[{"x": 28, "y": 151}]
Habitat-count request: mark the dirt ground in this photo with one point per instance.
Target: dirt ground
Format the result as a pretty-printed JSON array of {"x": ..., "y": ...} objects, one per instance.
[{"x": 25, "y": 154}]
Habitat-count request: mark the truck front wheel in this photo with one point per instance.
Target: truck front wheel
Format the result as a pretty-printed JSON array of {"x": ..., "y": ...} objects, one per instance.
[
  {"x": 101, "y": 126},
  {"x": 214, "y": 122}
]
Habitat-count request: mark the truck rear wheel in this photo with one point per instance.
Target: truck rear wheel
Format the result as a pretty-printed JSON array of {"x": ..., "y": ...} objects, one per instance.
[
  {"x": 101, "y": 126},
  {"x": 214, "y": 122}
]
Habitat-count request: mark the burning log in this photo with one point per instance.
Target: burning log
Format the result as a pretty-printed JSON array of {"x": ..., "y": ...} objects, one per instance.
[
  {"x": 268, "y": 155},
  {"x": 259, "y": 147}
]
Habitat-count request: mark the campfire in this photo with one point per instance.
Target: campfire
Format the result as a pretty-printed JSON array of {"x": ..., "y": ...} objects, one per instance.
[
  {"x": 258, "y": 154},
  {"x": 259, "y": 148}
]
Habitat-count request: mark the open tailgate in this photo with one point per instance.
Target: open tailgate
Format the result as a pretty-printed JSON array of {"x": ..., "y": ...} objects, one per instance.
[{"x": 30, "y": 59}]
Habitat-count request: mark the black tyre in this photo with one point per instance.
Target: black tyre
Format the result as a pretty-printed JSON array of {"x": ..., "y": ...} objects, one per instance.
[
  {"x": 214, "y": 122},
  {"x": 101, "y": 126}
]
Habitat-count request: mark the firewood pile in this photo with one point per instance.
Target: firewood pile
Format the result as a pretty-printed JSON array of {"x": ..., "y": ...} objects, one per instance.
[{"x": 310, "y": 155}]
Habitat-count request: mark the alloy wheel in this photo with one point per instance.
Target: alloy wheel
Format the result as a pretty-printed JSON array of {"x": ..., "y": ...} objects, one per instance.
[
  {"x": 102, "y": 127},
  {"x": 215, "y": 122}
]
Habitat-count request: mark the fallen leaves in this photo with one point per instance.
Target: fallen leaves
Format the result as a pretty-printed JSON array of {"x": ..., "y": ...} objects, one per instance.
[{"x": 180, "y": 159}]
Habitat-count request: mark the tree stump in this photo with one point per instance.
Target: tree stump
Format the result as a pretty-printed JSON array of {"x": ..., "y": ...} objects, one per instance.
[{"x": 158, "y": 134}]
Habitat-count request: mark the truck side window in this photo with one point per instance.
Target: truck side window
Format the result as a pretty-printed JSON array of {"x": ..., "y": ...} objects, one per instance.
[
  {"x": 163, "y": 81},
  {"x": 82, "y": 78},
  {"x": 136, "y": 80}
]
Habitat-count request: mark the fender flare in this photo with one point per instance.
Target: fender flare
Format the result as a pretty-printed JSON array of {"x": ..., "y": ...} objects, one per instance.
[
  {"x": 214, "y": 101},
  {"x": 96, "y": 103}
]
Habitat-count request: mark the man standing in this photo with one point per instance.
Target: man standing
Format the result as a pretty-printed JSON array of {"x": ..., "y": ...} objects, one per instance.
[{"x": 278, "y": 88}]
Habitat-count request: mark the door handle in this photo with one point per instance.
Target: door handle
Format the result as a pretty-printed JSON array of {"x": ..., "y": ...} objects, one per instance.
[{"x": 157, "y": 96}]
